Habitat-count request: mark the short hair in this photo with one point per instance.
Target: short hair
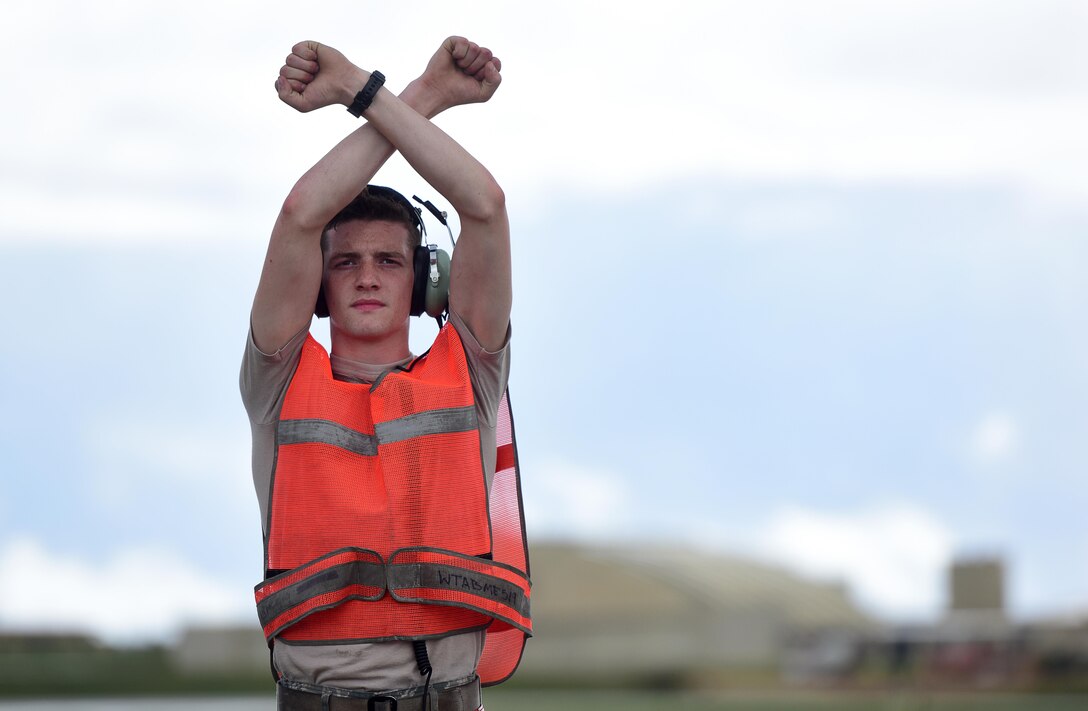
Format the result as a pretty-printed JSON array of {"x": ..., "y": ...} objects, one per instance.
[{"x": 378, "y": 204}]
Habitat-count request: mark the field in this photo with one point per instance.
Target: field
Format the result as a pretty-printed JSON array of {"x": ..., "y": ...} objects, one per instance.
[
  {"x": 527, "y": 700},
  {"x": 599, "y": 700}
]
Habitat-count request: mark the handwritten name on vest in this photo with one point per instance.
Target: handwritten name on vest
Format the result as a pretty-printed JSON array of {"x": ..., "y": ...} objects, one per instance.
[{"x": 456, "y": 581}]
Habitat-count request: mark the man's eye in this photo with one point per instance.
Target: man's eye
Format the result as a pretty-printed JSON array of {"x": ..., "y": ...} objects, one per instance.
[{"x": 345, "y": 263}]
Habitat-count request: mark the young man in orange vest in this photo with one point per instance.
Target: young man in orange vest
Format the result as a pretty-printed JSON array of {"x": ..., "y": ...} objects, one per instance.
[{"x": 395, "y": 559}]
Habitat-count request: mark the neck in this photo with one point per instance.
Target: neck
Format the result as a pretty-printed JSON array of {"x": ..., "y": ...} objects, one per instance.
[{"x": 385, "y": 349}]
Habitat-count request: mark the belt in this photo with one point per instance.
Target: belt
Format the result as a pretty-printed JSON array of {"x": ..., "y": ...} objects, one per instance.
[{"x": 455, "y": 695}]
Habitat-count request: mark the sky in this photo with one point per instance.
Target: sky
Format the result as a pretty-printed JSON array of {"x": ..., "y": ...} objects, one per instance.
[{"x": 794, "y": 280}]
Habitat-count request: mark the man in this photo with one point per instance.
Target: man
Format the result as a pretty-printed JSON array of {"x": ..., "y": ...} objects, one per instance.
[{"x": 391, "y": 572}]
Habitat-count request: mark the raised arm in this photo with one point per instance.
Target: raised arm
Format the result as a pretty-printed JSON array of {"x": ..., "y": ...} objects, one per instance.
[
  {"x": 480, "y": 282},
  {"x": 480, "y": 288},
  {"x": 312, "y": 77}
]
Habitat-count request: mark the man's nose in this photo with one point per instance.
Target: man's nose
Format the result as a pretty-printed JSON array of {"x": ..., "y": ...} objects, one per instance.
[{"x": 366, "y": 276}]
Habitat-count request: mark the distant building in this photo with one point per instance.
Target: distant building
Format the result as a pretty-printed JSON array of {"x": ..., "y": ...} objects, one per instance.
[
  {"x": 977, "y": 586},
  {"x": 46, "y": 643},
  {"x": 629, "y": 611},
  {"x": 229, "y": 650},
  {"x": 974, "y": 644}
]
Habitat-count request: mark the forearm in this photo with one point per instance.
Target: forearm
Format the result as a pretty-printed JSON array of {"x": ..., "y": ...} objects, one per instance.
[
  {"x": 480, "y": 288},
  {"x": 346, "y": 169},
  {"x": 439, "y": 159}
]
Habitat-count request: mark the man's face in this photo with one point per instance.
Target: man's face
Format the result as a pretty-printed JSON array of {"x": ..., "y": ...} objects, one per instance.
[{"x": 367, "y": 281}]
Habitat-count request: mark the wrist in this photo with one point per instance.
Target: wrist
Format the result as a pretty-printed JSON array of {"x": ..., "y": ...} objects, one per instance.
[
  {"x": 352, "y": 85},
  {"x": 421, "y": 97},
  {"x": 364, "y": 98}
]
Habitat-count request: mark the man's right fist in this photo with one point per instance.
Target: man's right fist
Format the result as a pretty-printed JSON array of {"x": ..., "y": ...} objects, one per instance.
[{"x": 316, "y": 75}]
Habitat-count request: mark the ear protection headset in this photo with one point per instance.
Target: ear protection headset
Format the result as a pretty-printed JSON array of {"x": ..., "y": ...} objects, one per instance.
[{"x": 430, "y": 265}]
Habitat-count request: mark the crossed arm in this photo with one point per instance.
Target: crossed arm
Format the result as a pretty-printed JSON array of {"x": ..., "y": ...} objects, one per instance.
[{"x": 314, "y": 76}]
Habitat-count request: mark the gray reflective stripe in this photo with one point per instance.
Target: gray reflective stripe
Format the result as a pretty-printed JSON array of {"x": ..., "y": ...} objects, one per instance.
[
  {"x": 325, "y": 581},
  {"x": 454, "y": 419},
  {"x": 326, "y": 432},
  {"x": 450, "y": 577}
]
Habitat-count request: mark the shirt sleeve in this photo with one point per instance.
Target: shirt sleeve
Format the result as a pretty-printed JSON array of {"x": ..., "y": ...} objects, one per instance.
[
  {"x": 489, "y": 370},
  {"x": 265, "y": 376}
]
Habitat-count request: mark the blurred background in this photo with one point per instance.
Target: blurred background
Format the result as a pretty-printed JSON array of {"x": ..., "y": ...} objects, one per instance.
[{"x": 799, "y": 333}]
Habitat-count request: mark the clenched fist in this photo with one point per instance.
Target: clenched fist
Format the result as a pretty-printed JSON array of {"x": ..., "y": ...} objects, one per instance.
[{"x": 316, "y": 75}]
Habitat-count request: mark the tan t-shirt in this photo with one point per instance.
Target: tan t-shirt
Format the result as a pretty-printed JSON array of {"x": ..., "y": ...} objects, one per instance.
[{"x": 378, "y": 666}]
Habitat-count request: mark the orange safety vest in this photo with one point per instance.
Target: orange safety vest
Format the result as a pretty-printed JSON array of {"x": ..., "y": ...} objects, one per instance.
[{"x": 380, "y": 524}]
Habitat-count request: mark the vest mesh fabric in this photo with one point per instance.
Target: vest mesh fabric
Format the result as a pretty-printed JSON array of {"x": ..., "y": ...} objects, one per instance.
[
  {"x": 391, "y": 475},
  {"x": 504, "y": 644}
]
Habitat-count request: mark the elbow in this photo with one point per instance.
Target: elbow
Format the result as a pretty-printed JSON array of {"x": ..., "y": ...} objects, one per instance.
[
  {"x": 294, "y": 212},
  {"x": 291, "y": 211},
  {"x": 489, "y": 205}
]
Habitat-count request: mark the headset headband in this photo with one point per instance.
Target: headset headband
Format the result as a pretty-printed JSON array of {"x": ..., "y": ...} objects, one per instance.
[{"x": 381, "y": 191}]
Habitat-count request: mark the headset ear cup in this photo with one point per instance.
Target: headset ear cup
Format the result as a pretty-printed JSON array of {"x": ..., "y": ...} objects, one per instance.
[
  {"x": 321, "y": 308},
  {"x": 421, "y": 260},
  {"x": 437, "y": 298}
]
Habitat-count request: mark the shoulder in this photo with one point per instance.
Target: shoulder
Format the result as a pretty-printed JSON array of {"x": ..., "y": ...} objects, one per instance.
[
  {"x": 473, "y": 350},
  {"x": 264, "y": 377},
  {"x": 489, "y": 371}
]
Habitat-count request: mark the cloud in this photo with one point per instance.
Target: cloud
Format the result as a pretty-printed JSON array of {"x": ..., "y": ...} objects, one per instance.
[
  {"x": 137, "y": 595},
  {"x": 893, "y": 557},
  {"x": 133, "y": 457},
  {"x": 568, "y": 500},
  {"x": 100, "y": 212},
  {"x": 995, "y": 439},
  {"x": 786, "y": 91}
]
